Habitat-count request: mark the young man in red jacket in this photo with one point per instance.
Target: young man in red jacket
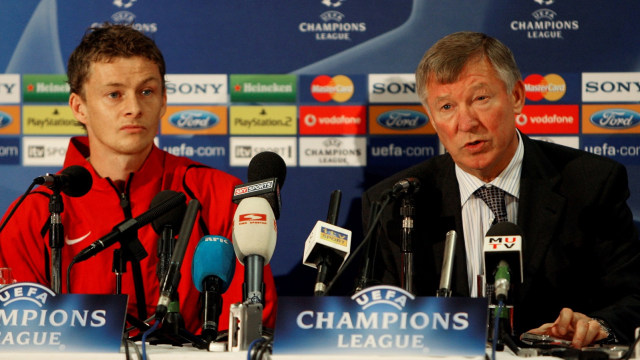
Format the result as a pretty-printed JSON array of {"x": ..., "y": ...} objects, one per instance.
[{"x": 118, "y": 94}]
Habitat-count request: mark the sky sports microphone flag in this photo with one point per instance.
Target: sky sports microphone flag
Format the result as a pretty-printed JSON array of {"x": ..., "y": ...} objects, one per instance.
[{"x": 266, "y": 174}]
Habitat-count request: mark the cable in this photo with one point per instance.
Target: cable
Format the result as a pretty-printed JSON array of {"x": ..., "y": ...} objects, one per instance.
[
  {"x": 69, "y": 276},
  {"x": 17, "y": 204},
  {"x": 629, "y": 352},
  {"x": 144, "y": 338},
  {"x": 496, "y": 326},
  {"x": 250, "y": 348},
  {"x": 372, "y": 227}
]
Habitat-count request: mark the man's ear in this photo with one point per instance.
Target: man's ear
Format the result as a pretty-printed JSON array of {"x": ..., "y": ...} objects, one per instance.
[
  {"x": 78, "y": 108},
  {"x": 518, "y": 95}
]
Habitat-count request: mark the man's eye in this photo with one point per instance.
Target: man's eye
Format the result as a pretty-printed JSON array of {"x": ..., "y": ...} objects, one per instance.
[
  {"x": 147, "y": 92},
  {"x": 446, "y": 107},
  {"x": 114, "y": 95}
]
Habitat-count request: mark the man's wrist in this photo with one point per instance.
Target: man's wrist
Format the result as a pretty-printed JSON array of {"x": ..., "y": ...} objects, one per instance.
[{"x": 611, "y": 336}]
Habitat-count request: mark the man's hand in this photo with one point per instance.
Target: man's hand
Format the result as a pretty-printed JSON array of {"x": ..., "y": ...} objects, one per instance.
[{"x": 580, "y": 329}]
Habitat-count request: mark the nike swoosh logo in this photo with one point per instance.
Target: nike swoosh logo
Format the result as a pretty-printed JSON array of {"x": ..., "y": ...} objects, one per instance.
[{"x": 75, "y": 241}]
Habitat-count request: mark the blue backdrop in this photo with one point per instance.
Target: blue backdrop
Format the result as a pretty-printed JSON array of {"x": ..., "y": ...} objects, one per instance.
[{"x": 352, "y": 37}]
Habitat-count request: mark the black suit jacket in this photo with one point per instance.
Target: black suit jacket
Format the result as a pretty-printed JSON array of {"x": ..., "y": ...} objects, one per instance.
[{"x": 580, "y": 247}]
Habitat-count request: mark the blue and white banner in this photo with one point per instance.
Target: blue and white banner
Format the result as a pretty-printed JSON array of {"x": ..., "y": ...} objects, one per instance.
[
  {"x": 34, "y": 319},
  {"x": 382, "y": 321}
]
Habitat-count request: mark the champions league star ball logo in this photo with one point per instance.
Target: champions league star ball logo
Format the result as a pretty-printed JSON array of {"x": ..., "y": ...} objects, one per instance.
[
  {"x": 377, "y": 295},
  {"x": 332, "y": 3}
]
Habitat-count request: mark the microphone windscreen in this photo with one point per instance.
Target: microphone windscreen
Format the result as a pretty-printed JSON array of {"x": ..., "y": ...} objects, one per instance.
[
  {"x": 254, "y": 229},
  {"x": 78, "y": 181},
  {"x": 214, "y": 256},
  {"x": 266, "y": 165},
  {"x": 173, "y": 218}
]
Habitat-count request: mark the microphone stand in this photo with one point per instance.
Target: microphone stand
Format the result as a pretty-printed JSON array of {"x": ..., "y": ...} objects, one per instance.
[
  {"x": 366, "y": 270},
  {"x": 56, "y": 240},
  {"x": 407, "y": 210}
]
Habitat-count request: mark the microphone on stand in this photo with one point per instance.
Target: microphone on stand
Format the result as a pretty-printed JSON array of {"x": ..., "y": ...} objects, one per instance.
[
  {"x": 169, "y": 284},
  {"x": 254, "y": 239},
  {"x": 214, "y": 263},
  {"x": 266, "y": 174},
  {"x": 406, "y": 188},
  {"x": 74, "y": 181},
  {"x": 167, "y": 227},
  {"x": 503, "y": 255},
  {"x": 130, "y": 225},
  {"x": 328, "y": 246}
]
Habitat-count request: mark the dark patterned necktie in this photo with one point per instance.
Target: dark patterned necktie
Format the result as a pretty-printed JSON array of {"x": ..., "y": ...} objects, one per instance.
[{"x": 493, "y": 196}]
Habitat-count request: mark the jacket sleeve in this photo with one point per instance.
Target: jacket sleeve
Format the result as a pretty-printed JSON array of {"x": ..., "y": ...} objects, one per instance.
[
  {"x": 24, "y": 239},
  {"x": 619, "y": 249}
]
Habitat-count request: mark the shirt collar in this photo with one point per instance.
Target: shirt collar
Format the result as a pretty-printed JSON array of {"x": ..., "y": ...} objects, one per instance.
[{"x": 508, "y": 180}]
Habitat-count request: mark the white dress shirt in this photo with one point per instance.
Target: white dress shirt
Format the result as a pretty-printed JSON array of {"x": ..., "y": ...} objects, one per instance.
[{"x": 476, "y": 215}]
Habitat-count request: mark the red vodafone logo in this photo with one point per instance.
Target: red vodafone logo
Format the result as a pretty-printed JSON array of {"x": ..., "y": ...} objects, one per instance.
[{"x": 325, "y": 88}]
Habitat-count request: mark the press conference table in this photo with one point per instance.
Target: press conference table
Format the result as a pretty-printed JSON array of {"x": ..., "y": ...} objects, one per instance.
[{"x": 168, "y": 352}]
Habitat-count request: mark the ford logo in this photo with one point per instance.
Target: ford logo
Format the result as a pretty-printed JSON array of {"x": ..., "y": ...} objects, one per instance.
[
  {"x": 5, "y": 119},
  {"x": 615, "y": 118},
  {"x": 402, "y": 119},
  {"x": 194, "y": 119}
]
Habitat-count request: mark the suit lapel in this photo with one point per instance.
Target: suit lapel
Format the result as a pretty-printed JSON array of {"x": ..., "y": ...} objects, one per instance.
[
  {"x": 451, "y": 214},
  {"x": 540, "y": 208}
]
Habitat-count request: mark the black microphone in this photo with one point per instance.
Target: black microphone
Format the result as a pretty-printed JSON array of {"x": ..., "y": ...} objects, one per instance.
[
  {"x": 167, "y": 227},
  {"x": 130, "y": 225},
  {"x": 503, "y": 256},
  {"x": 266, "y": 174},
  {"x": 169, "y": 285},
  {"x": 407, "y": 186},
  {"x": 447, "y": 264},
  {"x": 75, "y": 181}
]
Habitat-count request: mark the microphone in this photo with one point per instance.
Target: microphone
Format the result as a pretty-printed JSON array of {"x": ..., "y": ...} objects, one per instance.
[
  {"x": 214, "y": 264},
  {"x": 266, "y": 174},
  {"x": 254, "y": 240},
  {"x": 407, "y": 186},
  {"x": 327, "y": 246},
  {"x": 169, "y": 285},
  {"x": 503, "y": 252},
  {"x": 130, "y": 225},
  {"x": 167, "y": 227},
  {"x": 75, "y": 181},
  {"x": 447, "y": 264}
]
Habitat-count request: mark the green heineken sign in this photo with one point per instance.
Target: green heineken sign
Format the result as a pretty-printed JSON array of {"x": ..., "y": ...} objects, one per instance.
[
  {"x": 263, "y": 88},
  {"x": 45, "y": 88}
]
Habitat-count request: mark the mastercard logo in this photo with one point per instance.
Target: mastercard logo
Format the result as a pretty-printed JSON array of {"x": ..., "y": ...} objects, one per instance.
[
  {"x": 551, "y": 87},
  {"x": 325, "y": 88}
]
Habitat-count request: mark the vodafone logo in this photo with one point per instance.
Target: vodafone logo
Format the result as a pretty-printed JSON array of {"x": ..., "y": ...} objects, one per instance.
[
  {"x": 325, "y": 88},
  {"x": 551, "y": 87}
]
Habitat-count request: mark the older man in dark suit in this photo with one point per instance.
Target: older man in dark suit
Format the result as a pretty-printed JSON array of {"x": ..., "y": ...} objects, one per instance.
[{"x": 581, "y": 253}]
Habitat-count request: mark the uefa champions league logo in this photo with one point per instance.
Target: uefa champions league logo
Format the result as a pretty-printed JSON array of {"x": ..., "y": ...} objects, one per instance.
[{"x": 382, "y": 294}]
